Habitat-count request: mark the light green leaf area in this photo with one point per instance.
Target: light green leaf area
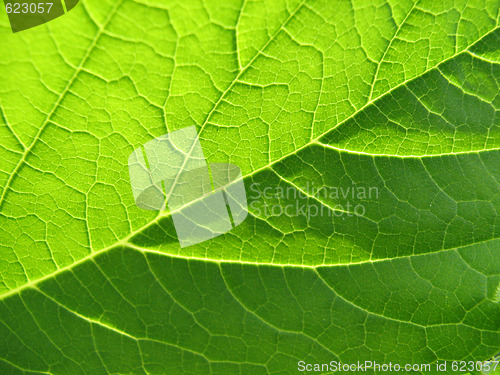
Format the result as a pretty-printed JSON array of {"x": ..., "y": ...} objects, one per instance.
[{"x": 399, "y": 98}]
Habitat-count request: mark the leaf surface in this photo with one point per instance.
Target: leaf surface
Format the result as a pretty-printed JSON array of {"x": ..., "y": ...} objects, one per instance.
[{"x": 398, "y": 97}]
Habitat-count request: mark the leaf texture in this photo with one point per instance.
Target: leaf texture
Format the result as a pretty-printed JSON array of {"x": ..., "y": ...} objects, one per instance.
[{"x": 398, "y": 96}]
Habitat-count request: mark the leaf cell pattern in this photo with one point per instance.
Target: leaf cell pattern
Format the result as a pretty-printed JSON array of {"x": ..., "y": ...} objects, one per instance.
[{"x": 398, "y": 96}]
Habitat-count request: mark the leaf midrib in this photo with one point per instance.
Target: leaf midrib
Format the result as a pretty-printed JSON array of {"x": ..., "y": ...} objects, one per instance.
[{"x": 124, "y": 241}]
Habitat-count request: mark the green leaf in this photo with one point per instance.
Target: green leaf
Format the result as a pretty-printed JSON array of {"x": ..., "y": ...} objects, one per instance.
[{"x": 314, "y": 101}]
